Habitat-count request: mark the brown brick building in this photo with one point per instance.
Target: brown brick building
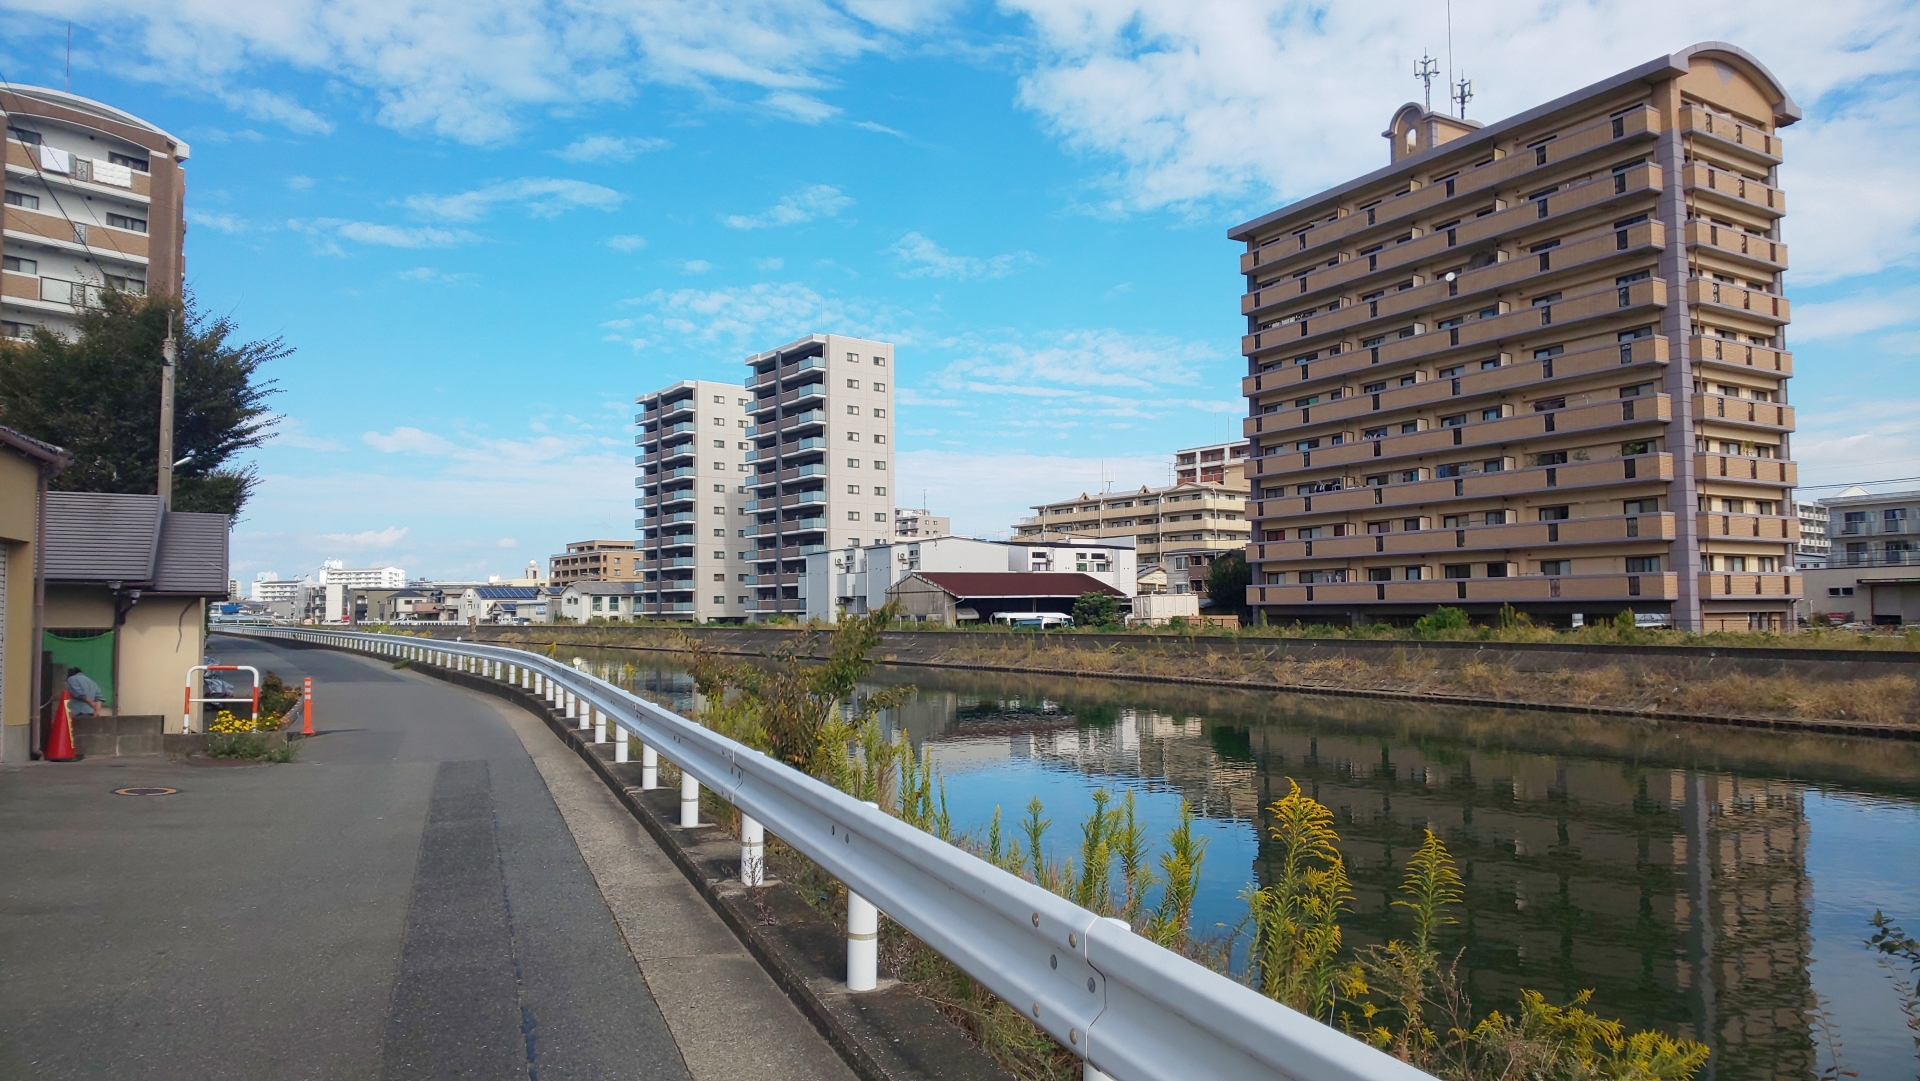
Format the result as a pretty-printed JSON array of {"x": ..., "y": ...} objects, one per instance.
[
  {"x": 594, "y": 561},
  {"x": 1540, "y": 362}
]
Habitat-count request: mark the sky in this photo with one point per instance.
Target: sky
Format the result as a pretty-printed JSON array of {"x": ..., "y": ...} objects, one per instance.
[{"x": 487, "y": 225}]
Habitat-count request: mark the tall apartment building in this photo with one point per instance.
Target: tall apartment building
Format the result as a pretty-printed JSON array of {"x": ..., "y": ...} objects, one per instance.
[
  {"x": 94, "y": 198},
  {"x": 335, "y": 572},
  {"x": 821, "y": 461},
  {"x": 595, "y": 561},
  {"x": 693, "y": 449},
  {"x": 1539, "y": 362},
  {"x": 1181, "y": 528},
  {"x": 1221, "y": 463}
]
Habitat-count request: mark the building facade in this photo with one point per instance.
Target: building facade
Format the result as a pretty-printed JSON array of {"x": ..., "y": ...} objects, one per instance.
[
  {"x": 595, "y": 561},
  {"x": 1221, "y": 463},
  {"x": 1813, "y": 546},
  {"x": 821, "y": 462},
  {"x": 94, "y": 199},
  {"x": 1180, "y": 529},
  {"x": 335, "y": 573},
  {"x": 920, "y": 524},
  {"x": 854, "y": 581},
  {"x": 1537, "y": 363},
  {"x": 1872, "y": 571},
  {"x": 692, "y": 461}
]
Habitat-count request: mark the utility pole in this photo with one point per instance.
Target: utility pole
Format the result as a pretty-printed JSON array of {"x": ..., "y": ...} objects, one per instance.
[{"x": 168, "y": 353}]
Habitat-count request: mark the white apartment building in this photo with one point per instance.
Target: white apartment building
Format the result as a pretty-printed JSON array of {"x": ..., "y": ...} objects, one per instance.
[
  {"x": 692, "y": 558},
  {"x": 920, "y": 522},
  {"x": 336, "y": 573},
  {"x": 1814, "y": 545},
  {"x": 273, "y": 589},
  {"x": 821, "y": 461},
  {"x": 854, "y": 581}
]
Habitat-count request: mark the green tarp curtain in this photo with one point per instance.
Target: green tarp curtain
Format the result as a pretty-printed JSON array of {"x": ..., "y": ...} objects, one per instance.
[{"x": 89, "y": 651}]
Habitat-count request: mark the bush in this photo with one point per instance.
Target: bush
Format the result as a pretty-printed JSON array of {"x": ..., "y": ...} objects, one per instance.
[
  {"x": 1441, "y": 620},
  {"x": 1096, "y": 610}
]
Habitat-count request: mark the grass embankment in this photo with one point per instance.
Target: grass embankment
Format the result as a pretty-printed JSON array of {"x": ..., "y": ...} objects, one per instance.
[{"x": 1884, "y": 700}]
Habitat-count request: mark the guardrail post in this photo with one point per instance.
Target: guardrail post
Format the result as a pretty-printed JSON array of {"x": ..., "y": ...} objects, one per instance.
[
  {"x": 599, "y": 724},
  {"x": 649, "y": 768},
  {"x": 620, "y": 744},
  {"x": 689, "y": 800},
  {"x": 863, "y": 940},
  {"x": 573, "y": 707},
  {"x": 753, "y": 852}
]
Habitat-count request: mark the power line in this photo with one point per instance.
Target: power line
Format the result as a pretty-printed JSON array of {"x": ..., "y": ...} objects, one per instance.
[{"x": 1851, "y": 483}]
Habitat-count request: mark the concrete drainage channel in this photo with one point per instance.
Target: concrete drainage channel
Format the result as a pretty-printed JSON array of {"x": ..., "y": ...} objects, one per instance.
[{"x": 888, "y": 1034}]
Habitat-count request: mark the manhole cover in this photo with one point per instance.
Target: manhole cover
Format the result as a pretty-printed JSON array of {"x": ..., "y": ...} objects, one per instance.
[{"x": 145, "y": 791}]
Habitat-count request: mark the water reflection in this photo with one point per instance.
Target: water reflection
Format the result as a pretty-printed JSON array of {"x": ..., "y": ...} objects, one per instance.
[{"x": 1665, "y": 867}]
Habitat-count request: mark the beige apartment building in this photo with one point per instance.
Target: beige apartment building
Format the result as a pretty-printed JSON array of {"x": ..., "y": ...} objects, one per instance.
[
  {"x": 1179, "y": 529},
  {"x": 820, "y": 463},
  {"x": 1540, "y": 362},
  {"x": 595, "y": 561},
  {"x": 94, "y": 199},
  {"x": 692, "y": 482}
]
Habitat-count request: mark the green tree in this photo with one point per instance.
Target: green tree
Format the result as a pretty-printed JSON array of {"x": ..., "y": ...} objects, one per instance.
[
  {"x": 1227, "y": 582},
  {"x": 99, "y": 397},
  {"x": 1095, "y": 610}
]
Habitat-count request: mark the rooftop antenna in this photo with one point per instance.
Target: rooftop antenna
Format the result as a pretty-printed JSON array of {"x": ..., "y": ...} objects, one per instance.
[
  {"x": 1424, "y": 71},
  {"x": 1449, "y": 49},
  {"x": 1463, "y": 93}
]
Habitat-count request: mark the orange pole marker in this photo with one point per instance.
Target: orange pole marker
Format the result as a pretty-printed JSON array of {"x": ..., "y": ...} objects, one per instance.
[{"x": 306, "y": 706}]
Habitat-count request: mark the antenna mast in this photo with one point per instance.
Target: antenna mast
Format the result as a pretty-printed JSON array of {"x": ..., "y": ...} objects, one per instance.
[
  {"x": 1463, "y": 93},
  {"x": 1425, "y": 71}
]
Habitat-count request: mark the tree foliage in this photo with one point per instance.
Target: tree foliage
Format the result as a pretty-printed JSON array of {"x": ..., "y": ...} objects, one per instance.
[
  {"x": 98, "y": 396},
  {"x": 1095, "y": 609},
  {"x": 1227, "y": 582}
]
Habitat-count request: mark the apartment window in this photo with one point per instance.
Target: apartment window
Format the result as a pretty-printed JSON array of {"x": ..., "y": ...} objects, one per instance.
[
  {"x": 1457, "y": 570},
  {"x": 1451, "y": 469},
  {"x": 1839, "y": 591},
  {"x": 1552, "y": 457},
  {"x": 23, "y": 200},
  {"x": 1410, "y": 380},
  {"x": 1494, "y": 465},
  {"x": 121, "y": 221},
  {"x": 1496, "y": 517},
  {"x": 1373, "y": 388},
  {"x": 1554, "y": 514},
  {"x": 1379, "y": 574},
  {"x": 879, "y": 362},
  {"x": 853, "y": 384},
  {"x": 1638, "y": 390},
  {"x": 853, "y": 410},
  {"x": 19, "y": 265},
  {"x": 1545, "y": 404},
  {"x": 853, "y": 489},
  {"x": 1640, "y": 506},
  {"x": 1490, "y": 414},
  {"x": 1638, "y": 446},
  {"x": 1413, "y": 574},
  {"x": 853, "y": 463},
  {"x": 879, "y": 412},
  {"x": 1454, "y": 372},
  {"x": 1489, "y": 365},
  {"x": 1410, "y": 525},
  {"x": 879, "y": 463},
  {"x": 138, "y": 165},
  {"x": 1378, "y": 480},
  {"x": 721, "y": 488},
  {"x": 1643, "y": 564},
  {"x": 879, "y": 490},
  {"x": 880, "y": 388},
  {"x": 853, "y": 437},
  {"x": 853, "y": 516},
  {"x": 879, "y": 516},
  {"x": 1555, "y": 567},
  {"x": 1374, "y": 433},
  {"x": 853, "y": 358},
  {"x": 1454, "y": 421},
  {"x": 1409, "y": 476},
  {"x": 879, "y": 439},
  {"x": 1452, "y": 521},
  {"x": 31, "y": 138},
  {"x": 720, "y": 444},
  {"x": 1409, "y": 427}
]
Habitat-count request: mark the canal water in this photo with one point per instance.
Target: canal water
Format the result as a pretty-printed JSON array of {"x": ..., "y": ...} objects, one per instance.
[{"x": 1713, "y": 883}]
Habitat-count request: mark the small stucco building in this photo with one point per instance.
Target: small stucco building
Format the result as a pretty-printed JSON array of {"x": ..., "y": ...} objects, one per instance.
[
  {"x": 955, "y": 597},
  {"x": 26, "y": 464}
]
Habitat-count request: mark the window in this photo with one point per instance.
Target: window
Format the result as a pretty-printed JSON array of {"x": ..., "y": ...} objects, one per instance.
[
  {"x": 1451, "y": 469},
  {"x": 853, "y": 410},
  {"x": 1638, "y": 446},
  {"x": 1409, "y": 380},
  {"x": 1549, "y": 351},
  {"x": 879, "y": 412},
  {"x": 1643, "y": 564},
  {"x": 1457, "y": 570},
  {"x": 853, "y": 463},
  {"x": 721, "y": 488},
  {"x": 879, "y": 516},
  {"x": 1378, "y": 480},
  {"x": 1453, "y": 521},
  {"x": 1373, "y": 433},
  {"x": 1545, "y": 404},
  {"x": 23, "y": 200},
  {"x": 138, "y": 165},
  {"x": 1453, "y": 372},
  {"x": 853, "y": 489},
  {"x": 19, "y": 265},
  {"x": 720, "y": 444},
  {"x": 853, "y": 384},
  {"x": 1379, "y": 574},
  {"x": 1839, "y": 591},
  {"x": 879, "y": 362},
  {"x": 1640, "y": 506},
  {"x": 879, "y": 463},
  {"x": 1454, "y": 421},
  {"x": 1489, "y": 365},
  {"x": 121, "y": 221},
  {"x": 1552, "y": 457},
  {"x": 853, "y": 437},
  {"x": 31, "y": 138},
  {"x": 853, "y": 358},
  {"x": 1409, "y": 476},
  {"x": 1490, "y": 414},
  {"x": 1373, "y": 388},
  {"x": 880, "y": 388},
  {"x": 1414, "y": 574},
  {"x": 1379, "y": 527},
  {"x": 1494, "y": 465},
  {"x": 1736, "y": 564},
  {"x": 879, "y": 439},
  {"x": 853, "y": 516},
  {"x": 1638, "y": 390},
  {"x": 1410, "y": 525},
  {"x": 1546, "y": 299},
  {"x": 1409, "y": 427},
  {"x": 879, "y": 489},
  {"x": 1496, "y": 517},
  {"x": 1554, "y": 567},
  {"x": 1554, "y": 514}
]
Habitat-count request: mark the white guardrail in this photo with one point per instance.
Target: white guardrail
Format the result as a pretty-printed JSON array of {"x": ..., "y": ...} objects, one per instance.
[{"x": 1134, "y": 1010}]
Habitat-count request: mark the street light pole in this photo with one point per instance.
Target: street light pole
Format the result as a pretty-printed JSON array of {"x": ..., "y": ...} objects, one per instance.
[{"x": 168, "y": 353}]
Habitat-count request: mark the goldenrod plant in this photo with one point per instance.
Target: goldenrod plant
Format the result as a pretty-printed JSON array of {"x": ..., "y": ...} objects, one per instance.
[{"x": 1294, "y": 954}]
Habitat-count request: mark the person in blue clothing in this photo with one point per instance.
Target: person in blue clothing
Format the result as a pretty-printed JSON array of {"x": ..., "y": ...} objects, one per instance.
[{"x": 83, "y": 694}]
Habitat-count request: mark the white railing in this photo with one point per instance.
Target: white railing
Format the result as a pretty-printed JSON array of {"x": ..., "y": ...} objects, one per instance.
[{"x": 1133, "y": 1010}]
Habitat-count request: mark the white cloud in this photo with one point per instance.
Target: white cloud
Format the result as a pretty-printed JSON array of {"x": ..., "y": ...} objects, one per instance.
[
  {"x": 626, "y": 242},
  {"x": 278, "y": 109},
  {"x": 869, "y": 125},
  {"x": 375, "y": 233},
  {"x": 431, "y": 276},
  {"x": 695, "y": 266},
  {"x": 469, "y": 70},
  {"x": 507, "y": 542},
  {"x": 300, "y": 183},
  {"x": 222, "y": 223},
  {"x": 757, "y": 314},
  {"x": 543, "y": 196},
  {"x": 769, "y": 264},
  {"x": 926, "y": 259},
  {"x": 1857, "y": 440},
  {"x": 597, "y": 148},
  {"x": 371, "y": 538},
  {"x": 1242, "y": 104},
  {"x": 797, "y": 208},
  {"x": 1860, "y": 313}
]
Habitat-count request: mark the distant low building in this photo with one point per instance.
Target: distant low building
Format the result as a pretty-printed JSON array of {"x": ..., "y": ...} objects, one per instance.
[
  {"x": 1220, "y": 463},
  {"x": 584, "y": 602},
  {"x": 1182, "y": 528},
  {"x": 496, "y": 603},
  {"x": 854, "y": 581},
  {"x": 336, "y": 573},
  {"x": 1872, "y": 573},
  {"x": 1812, "y": 548},
  {"x": 955, "y": 597},
  {"x": 595, "y": 561},
  {"x": 911, "y": 524}
]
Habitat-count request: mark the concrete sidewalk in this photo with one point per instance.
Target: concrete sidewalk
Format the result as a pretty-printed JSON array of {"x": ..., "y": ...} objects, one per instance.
[{"x": 405, "y": 900}]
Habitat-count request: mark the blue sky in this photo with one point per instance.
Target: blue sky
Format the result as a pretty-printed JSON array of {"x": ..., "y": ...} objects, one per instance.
[{"x": 487, "y": 226}]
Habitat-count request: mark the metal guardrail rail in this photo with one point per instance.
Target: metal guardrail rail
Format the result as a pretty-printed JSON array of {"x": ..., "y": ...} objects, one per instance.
[{"x": 1133, "y": 1010}]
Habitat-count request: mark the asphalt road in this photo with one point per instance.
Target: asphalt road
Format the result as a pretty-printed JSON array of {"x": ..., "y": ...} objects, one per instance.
[{"x": 405, "y": 900}]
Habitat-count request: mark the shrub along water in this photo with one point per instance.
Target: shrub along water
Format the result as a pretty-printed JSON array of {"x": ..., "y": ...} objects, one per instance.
[{"x": 1402, "y": 996}]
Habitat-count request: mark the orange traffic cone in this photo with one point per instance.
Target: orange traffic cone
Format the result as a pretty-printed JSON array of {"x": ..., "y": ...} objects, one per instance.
[{"x": 60, "y": 741}]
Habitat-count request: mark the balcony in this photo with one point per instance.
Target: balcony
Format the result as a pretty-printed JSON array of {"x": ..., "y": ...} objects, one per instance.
[
  {"x": 1738, "y": 246},
  {"x": 799, "y": 367},
  {"x": 1718, "y": 584},
  {"x": 1752, "y": 303},
  {"x": 1730, "y": 353},
  {"x": 811, "y": 469},
  {"x": 799, "y": 445},
  {"x": 800, "y": 420},
  {"x": 1471, "y": 186},
  {"x": 1733, "y": 190},
  {"x": 1746, "y": 526},
  {"x": 1620, "y": 588},
  {"x": 795, "y": 499},
  {"x": 667, "y": 430},
  {"x": 1769, "y": 471},
  {"x": 1881, "y": 525},
  {"x": 1533, "y": 481},
  {"x": 1897, "y": 557},
  {"x": 1743, "y": 411},
  {"x": 1438, "y": 544},
  {"x": 1743, "y": 141}
]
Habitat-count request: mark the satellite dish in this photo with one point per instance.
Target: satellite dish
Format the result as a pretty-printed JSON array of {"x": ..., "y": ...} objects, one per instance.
[{"x": 1451, "y": 275}]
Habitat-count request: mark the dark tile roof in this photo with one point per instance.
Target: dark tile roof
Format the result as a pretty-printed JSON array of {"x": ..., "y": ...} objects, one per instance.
[
  {"x": 105, "y": 537},
  {"x": 33, "y": 448},
  {"x": 964, "y": 584}
]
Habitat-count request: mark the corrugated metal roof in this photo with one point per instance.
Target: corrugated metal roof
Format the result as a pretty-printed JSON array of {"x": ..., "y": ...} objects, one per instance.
[
  {"x": 102, "y": 537},
  {"x": 1016, "y": 583},
  {"x": 193, "y": 555}
]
